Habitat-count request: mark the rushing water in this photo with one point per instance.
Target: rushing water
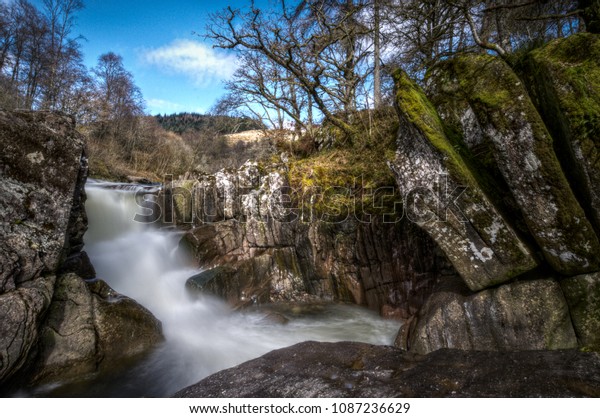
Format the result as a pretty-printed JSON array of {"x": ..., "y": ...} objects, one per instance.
[{"x": 202, "y": 335}]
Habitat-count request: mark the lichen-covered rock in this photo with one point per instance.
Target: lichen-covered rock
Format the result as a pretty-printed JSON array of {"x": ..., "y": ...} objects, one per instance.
[
  {"x": 524, "y": 315},
  {"x": 583, "y": 296},
  {"x": 42, "y": 174},
  {"x": 443, "y": 197},
  {"x": 563, "y": 79},
  {"x": 272, "y": 253},
  {"x": 522, "y": 149},
  {"x": 357, "y": 370},
  {"x": 42, "y": 167}
]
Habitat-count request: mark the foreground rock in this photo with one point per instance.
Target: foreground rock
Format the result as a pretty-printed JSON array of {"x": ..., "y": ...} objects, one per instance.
[
  {"x": 524, "y": 315},
  {"x": 89, "y": 326},
  {"x": 360, "y": 370}
]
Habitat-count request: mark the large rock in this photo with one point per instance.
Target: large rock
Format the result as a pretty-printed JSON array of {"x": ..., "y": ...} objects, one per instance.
[
  {"x": 125, "y": 329},
  {"x": 43, "y": 169},
  {"x": 443, "y": 197},
  {"x": 583, "y": 296},
  {"x": 357, "y": 370},
  {"x": 563, "y": 79},
  {"x": 89, "y": 326},
  {"x": 524, "y": 315},
  {"x": 21, "y": 312},
  {"x": 494, "y": 108}
]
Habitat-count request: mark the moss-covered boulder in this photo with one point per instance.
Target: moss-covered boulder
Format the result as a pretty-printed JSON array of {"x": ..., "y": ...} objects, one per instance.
[
  {"x": 444, "y": 198},
  {"x": 583, "y": 296},
  {"x": 524, "y": 315},
  {"x": 522, "y": 148},
  {"x": 563, "y": 79}
]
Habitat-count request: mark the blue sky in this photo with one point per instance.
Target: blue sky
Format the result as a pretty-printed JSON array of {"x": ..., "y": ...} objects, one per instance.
[{"x": 176, "y": 70}]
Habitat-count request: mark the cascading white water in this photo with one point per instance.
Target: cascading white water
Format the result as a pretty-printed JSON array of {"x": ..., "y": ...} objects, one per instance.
[{"x": 202, "y": 335}]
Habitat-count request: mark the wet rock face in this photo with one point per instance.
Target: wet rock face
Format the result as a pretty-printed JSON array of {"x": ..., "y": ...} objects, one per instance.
[
  {"x": 525, "y": 315},
  {"x": 257, "y": 248},
  {"x": 358, "y": 370}
]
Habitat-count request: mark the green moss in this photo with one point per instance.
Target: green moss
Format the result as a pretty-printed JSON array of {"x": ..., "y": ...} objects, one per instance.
[
  {"x": 183, "y": 200},
  {"x": 351, "y": 175},
  {"x": 574, "y": 64},
  {"x": 411, "y": 100},
  {"x": 343, "y": 182}
]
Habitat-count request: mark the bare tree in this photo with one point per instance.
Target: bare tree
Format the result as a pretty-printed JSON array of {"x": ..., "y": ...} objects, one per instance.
[
  {"x": 314, "y": 50},
  {"x": 40, "y": 66},
  {"x": 60, "y": 15},
  {"x": 118, "y": 100}
]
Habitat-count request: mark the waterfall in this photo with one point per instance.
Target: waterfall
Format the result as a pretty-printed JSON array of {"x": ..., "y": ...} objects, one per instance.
[{"x": 203, "y": 335}]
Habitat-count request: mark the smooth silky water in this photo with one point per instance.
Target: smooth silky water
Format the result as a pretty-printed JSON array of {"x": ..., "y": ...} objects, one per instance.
[{"x": 202, "y": 336}]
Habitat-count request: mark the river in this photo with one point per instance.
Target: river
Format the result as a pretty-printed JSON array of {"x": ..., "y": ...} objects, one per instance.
[{"x": 202, "y": 336}]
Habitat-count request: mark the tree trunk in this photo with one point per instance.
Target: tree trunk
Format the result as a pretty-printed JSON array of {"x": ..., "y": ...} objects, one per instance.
[{"x": 377, "y": 56}]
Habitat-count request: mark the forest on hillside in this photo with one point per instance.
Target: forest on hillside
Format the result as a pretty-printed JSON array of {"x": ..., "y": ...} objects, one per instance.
[{"x": 222, "y": 124}]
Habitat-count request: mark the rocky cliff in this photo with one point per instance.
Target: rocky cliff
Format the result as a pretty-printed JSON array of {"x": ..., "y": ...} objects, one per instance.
[
  {"x": 497, "y": 248},
  {"x": 258, "y": 246},
  {"x": 55, "y": 321},
  {"x": 497, "y": 168}
]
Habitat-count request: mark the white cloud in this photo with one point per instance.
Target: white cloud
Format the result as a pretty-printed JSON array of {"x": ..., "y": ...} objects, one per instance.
[
  {"x": 201, "y": 63},
  {"x": 160, "y": 106},
  {"x": 163, "y": 106}
]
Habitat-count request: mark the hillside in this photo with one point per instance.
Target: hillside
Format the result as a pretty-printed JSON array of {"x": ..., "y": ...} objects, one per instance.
[{"x": 184, "y": 122}]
